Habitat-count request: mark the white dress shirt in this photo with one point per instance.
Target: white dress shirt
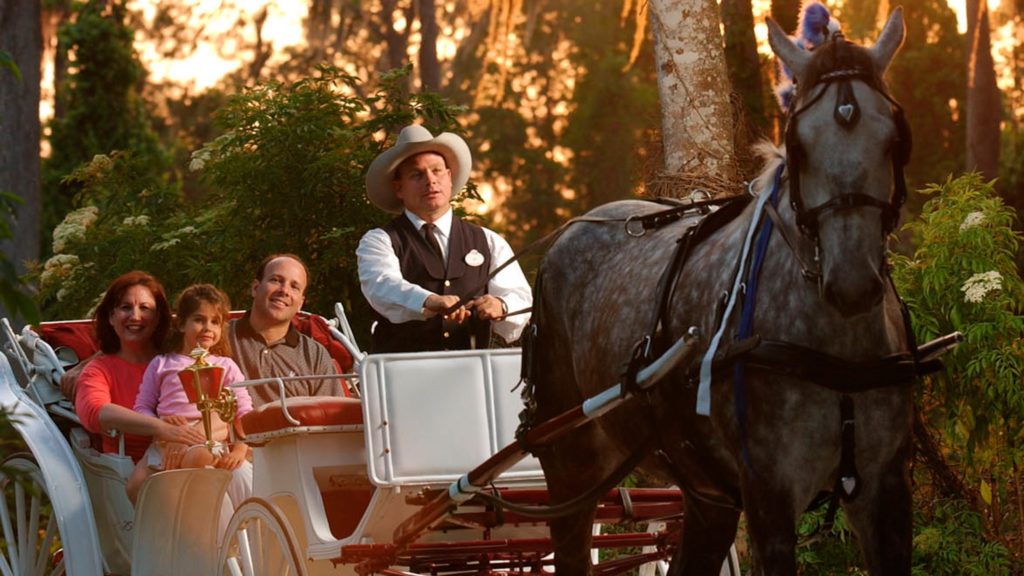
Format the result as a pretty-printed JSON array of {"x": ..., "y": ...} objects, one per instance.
[{"x": 399, "y": 300}]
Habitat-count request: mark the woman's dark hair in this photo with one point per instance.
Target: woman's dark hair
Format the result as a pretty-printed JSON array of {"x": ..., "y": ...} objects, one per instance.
[
  {"x": 108, "y": 339},
  {"x": 187, "y": 304}
]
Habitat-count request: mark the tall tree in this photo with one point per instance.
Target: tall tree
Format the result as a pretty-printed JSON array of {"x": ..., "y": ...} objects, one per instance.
[
  {"x": 430, "y": 70},
  {"x": 396, "y": 38},
  {"x": 104, "y": 110},
  {"x": 21, "y": 38},
  {"x": 983, "y": 100},
  {"x": 928, "y": 80},
  {"x": 697, "y": 126},
  {"x": 742, "y": 60}
]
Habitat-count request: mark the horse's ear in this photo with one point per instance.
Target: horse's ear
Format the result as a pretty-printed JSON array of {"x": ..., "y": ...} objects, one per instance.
[
  {"x": 889, "y": 42},
  {"x": 794, "y": 57}
]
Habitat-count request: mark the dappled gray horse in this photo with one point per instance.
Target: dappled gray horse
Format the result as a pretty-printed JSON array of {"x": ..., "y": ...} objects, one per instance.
[{"x": 809, "y": 383}]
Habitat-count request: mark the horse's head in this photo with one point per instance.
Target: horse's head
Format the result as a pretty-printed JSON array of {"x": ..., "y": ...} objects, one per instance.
[{"x": 846, "y": 145}]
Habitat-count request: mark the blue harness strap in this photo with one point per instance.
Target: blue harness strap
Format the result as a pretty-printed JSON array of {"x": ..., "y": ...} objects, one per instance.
[{"x": 746, "y": 326}]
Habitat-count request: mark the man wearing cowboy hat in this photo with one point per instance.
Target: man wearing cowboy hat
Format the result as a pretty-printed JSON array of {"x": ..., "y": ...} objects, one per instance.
[{"x": 426, "y": 260}]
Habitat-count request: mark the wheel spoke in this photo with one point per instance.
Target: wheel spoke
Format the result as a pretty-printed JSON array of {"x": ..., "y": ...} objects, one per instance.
[
  {"x": 21, "y": 545},
  {"x": 44, "y": 550},
  {"x": 5, "y": 568},
  {"x": 233, "y": 567},
  {"x": 9, "y": 542},
  {"x": 245, "y": 551},
  {"x": 32, "y": 534},
  {"x": 30, "y": 527}
]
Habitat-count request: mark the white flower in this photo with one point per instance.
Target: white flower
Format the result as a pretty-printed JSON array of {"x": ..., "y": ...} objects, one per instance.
[
  {"x": 73, "y": 227},
  {"x": 172, "y": 238},
  {"x": 978, "y": 286},
  {"x": 140, "y": 220},
  {"x": 164, "y": 245},
  {"x": 102, "y": 161},
  {"x": 973, "y": 219},
  {"x": 58, "y": 268},
  {"x": 199, "y": 159}
]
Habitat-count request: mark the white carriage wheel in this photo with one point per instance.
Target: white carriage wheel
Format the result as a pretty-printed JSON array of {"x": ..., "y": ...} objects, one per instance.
[
  {"x": 259, "y": 542},
  {"x": 31, "y": 543}
]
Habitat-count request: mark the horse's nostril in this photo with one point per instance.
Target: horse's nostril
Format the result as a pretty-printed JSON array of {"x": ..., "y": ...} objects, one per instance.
[{"x": 852, "y": 302}]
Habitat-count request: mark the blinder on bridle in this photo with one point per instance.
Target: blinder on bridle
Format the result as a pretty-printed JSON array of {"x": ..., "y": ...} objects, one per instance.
[{"x": 846, "y": 114}]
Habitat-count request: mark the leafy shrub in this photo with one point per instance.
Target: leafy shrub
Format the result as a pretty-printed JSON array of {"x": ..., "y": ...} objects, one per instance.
[{"x": 963, "y": 276}]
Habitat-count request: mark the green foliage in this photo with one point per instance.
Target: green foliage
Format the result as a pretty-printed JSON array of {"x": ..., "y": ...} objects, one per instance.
[
  {"x": 826, "y": 550},
  {"x": 950, "y": 541},
  {"x": 130, "y": 219},
  {"x": 963, "y": 276},
  {"x": 99, "y": 104}
]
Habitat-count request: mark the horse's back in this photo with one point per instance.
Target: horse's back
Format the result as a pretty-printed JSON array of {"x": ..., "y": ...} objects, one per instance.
[{"x": 598, "y": 286}]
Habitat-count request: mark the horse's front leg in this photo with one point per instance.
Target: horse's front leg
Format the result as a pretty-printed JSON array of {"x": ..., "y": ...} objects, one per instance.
[
  {"x": 573, "y": 466},
  {"x": 881, "y": 516},
  {"x": 708, "y": 534},
  {"x": 771, "y": 526}
]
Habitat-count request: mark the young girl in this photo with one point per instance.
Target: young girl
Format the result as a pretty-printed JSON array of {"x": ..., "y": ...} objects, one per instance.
[{"x": 202, "y": 312}]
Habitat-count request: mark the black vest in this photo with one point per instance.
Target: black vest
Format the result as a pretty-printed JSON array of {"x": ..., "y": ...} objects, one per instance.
[{"x": 421, "y": 266}]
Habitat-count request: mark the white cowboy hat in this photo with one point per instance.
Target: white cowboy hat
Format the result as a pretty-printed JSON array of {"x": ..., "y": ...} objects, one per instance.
[{"x": 415, "y": 139}]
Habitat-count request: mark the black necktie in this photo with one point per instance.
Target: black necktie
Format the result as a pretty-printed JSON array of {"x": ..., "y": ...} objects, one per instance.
[{"x": 428, "y": 235}]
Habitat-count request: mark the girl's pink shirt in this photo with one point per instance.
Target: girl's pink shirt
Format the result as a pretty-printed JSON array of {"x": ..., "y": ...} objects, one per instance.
[{"x": 161, "y": 393}]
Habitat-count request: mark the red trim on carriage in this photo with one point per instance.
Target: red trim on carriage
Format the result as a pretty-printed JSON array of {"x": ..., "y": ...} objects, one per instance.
[{"x": 310, "y": 411}]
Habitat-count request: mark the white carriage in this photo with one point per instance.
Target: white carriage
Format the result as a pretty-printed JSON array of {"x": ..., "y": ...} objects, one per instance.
[{"x": 334, "y": 479}]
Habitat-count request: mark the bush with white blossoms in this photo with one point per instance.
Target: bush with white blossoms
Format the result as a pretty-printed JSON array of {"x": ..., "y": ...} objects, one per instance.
[
  {"x": 73, "y": 227},
  {"x": 963, "y": 276},
  {"x": 109, "y": 235}
]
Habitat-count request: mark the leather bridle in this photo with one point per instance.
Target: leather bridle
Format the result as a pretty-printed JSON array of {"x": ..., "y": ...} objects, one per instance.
[{"x": 846, "y": 113}]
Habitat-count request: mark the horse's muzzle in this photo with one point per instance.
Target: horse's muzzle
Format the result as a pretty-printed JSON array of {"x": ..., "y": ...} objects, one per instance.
[{"x": 854, "y": 298}]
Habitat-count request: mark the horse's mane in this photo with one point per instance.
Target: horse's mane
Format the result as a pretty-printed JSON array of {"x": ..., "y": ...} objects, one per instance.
[{"x": 772, "y": 155}]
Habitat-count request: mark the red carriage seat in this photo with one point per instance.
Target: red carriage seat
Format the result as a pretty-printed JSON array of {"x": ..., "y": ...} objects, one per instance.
[{"x": 314, "y": 414}]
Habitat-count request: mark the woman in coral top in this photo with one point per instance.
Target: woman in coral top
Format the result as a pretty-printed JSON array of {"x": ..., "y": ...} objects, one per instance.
[{"x": 131, "y": 324}]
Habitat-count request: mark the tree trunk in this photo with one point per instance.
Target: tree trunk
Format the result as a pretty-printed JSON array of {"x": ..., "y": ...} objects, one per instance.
[
  {"x": 430, "y": 70},
  {"x": 983, "y": 104},
  {"x": 742, "y": 60},
  {"x": 397, "y": 41},
  {"x": 697, "y": 127},
  {"x": 21, "y": 37}
]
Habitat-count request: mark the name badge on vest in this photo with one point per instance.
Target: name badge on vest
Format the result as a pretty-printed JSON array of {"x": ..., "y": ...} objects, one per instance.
[{"x": 474, "y": 258}]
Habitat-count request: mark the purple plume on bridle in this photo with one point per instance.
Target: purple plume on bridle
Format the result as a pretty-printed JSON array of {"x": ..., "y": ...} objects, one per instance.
[{"x": 815, "y": 27}]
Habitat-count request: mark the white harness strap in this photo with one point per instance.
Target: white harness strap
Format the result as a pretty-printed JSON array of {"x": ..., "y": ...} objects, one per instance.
[{"x": 704, "y": 389}]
